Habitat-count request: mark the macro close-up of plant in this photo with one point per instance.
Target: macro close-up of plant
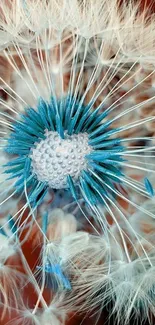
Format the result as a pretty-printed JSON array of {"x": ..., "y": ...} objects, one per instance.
[{"x": 77, "y": 162}]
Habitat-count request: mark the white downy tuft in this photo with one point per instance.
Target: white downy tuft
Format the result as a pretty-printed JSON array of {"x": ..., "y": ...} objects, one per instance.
[{"x": 130, "y": 31}]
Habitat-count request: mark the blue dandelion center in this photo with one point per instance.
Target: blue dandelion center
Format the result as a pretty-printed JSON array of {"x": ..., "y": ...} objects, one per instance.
[
  {"x": 53, "y": 159},
  {"x": 64, "y": 144}
]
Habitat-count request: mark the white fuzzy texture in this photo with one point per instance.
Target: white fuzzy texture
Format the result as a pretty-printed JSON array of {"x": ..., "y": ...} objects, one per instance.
[
  {"x": 47, "y": 318},
  {"x": 6, "y": 248},
  {"x": 11, "y": 284},
  {"x": 129, "y": 285},
  {"x": 52, "y": 314},
  {"x": 131, "y": 32},
  {"x": 61, "y": 224}
]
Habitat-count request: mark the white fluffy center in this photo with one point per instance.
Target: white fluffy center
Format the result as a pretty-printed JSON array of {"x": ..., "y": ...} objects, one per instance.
[{"x": 53, "y": 159}]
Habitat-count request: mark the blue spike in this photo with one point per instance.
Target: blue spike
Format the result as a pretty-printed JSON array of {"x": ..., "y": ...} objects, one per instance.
[
  {"x": 89, "y": 194},
  {"x": 73, "y": 120},
  {"x": 70, "y": 101},
  {"x": 94, "y": 117},
  {"x": 34, "y": 185},
  {"x": 51, "y": 118},
  {"x": 67, "y": 111},
  {"x": 45, "y": 222},
  {"x": 104, "y": 136},
  {"x": 55, "y": 269},
  {"x": 149, "y": 187},
  {"x": 17, "y": 174},
  {"x": 30, "y": 122},
  {"x": 96, "y": 186},
  {"x": 34, "y": 131},
  {"x": 71, "y": 126},
  {"x": 15, "y": 162},
  {"x": 72, "y": 187},
  {"x": 108, "y": 180},
  {"x": 101, "y": 156},
  {"x": 27, "y": 167},
  {"x": 42, "y": 109},
  {"x": 14, "y": 141},
  {"x": 16, "y": 151},
  {"x": 83, "y": 118},
  {"x": 54, "y": 104},
  {"x": 105, "y": 144},
  {"x": 117, "y": 171},
  {"x": 114, "y": 162},
  {"x": 61, "y": 108},
  {"x": 3, "y": 232},
  {"x": 100, "y": 129},
  {"x": 65, "y": 281},
  {"x": 86, "y": 109},
  {"x": 15, "y": 144},
  {"x": 109, "y": 171},
  {"x": 37, "y": 191},
  {"x": 115, "y": 179},
  {"x": 19, "y": 185},
  {"x": 38, "y": 202},
  {"x": 21, "y": 126},
  {"x": 59, "y": 126},
  {"x": 12, "y": 224},
  {"x": 14, "y": 170},
  {"x": 80, "y": 124},
  {"x": 24, "y": 137},
  {"x": 20, "y": 182},
  {"x": 117, "y": 159},
  {"x": 35, "y": 117},
  {"x": 114, "y": 149}
]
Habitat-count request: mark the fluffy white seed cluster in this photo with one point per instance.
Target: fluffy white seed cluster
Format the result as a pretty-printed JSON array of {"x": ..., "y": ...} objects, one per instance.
[
  {"x": 53, "y": 159},
  {"x": 124, "y": 29},
  {"x": 6, "y": 249}
]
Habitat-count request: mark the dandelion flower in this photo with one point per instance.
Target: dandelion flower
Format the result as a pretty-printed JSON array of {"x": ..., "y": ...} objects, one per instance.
[{"x": 77, "y": 125}]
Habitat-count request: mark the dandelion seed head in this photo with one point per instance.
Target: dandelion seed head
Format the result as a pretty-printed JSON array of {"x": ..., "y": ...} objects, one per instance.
[
  {"x": 78, "y": 64},
  {"x": 63, "y": 145}
]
